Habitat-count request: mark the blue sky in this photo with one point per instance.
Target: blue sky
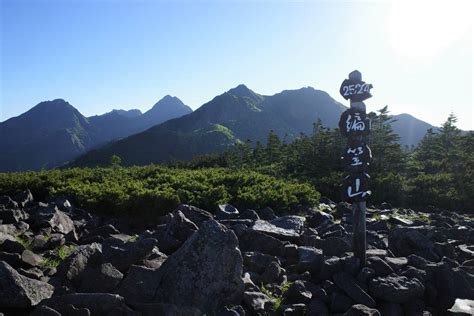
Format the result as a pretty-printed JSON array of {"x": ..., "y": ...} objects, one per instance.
[{"x": 100, "y": 55}]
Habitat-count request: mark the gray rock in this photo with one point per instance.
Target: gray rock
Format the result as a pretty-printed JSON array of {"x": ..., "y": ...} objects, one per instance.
[
  {"x": 5, "y": 236},
  {"x": 96, "y": 303},
  {"x": 24, "y": 198},
  {"x": 404, "y": 241},
  {"x": 251, "y": 240},
  {"x": 293, "y": 309},
  {"x": 14, "y": 229},
  {"x": 297, "y": 293},
  {"x": 318, "y": 218},
  {"x": 258, "y": 262},
  {"x": 333, "y": 246},
  {"x": 397, "y": 220},
  {"x": 462, "y": 307},
  {"x": 123, "y": 254},
  {"x": 179, "y": 227},
  {"x": 72, "y": 268},
  {"x": 380, "y": 267},
  {"x": 365, "y": 275},
  {"x": 139, "y": 285},
  {"x": 348, "y": 284},
  {"x": 275, "y": 231},
  {"x": 194, "y": 214},
  {"x": 361, "y": 310},
  {"x": 102, "y": 279},
  {"x": 33, "y": 273},
  {"x": 273, "y": 273},
  {"x": 30, "y": 259},
  {"x": 51, "y": 216},
  {"x": 227, "y": 211},
  {"x": 396, "y": 263},
  {"x": 310, "y": 259},
  {"x": 18, "y": 291},
  {"x": 205, "y": 272},
  {"x": 330, "y": 266},
  {"x": 394, "y": 288},
  {"x": 257, "y": 301},
  {"x": 290, "y": 222},
  {"x": 249, "y": 214}
]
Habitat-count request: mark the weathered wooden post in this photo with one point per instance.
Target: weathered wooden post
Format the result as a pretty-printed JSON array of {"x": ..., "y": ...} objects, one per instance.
[{"x": 356, "y": 156}]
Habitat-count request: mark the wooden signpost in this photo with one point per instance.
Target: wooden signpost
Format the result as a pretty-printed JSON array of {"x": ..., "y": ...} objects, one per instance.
[{"x": 356, "y": 157}]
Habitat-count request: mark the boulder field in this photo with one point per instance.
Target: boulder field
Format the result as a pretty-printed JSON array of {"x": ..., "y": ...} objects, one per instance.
[{"x": 58, "y": 259}]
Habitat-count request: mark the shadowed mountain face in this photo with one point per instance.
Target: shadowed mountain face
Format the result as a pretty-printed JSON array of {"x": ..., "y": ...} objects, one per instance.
[
  {"x": 54, "y": 132},
  {"x": 233, "y": 116},
  {"x": 410, "y": 129}
]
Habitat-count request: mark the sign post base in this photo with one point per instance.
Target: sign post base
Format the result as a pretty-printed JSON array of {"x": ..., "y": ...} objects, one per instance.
[{"x": 359, "y": 232}]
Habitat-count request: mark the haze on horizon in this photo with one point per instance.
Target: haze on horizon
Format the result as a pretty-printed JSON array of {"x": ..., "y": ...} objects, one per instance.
[{"x": 103, "y": 55}]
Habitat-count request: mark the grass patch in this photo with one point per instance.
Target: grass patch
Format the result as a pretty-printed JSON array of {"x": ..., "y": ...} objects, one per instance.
[
  {"x": 51, "y": 262},
  {"x": 65, "y": 251},
  {"x": 277, "y": 299},
  {"x": 24, "y": 242}
]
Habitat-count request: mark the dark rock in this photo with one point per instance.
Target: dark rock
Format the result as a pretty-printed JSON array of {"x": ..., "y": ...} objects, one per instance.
[
  {"x": 179, "y": 226},
  {"x": 340, "y": 302},
  {"x": 391, "y": 309},
  {"x": 18, "y": 291},
  {"x": 333, "y": 246},
  {"x": 404, "y": 241},
  {"x": 417, "y": 261},
  {"x": 51, "y": 216},
  {"x": 361, "y": 310},
  {"x": 8, "y": 202},
  {"x": 330, "y": 266},
  {"x": 12, "y": 216},
  {"x": 227, "y": 211},
  {"x": 266, "y": 214},
  {"x": 31, "y": 259},
  {"x": 348, "y": 284},
  {"x": 165, "y": 310},
  {"x": 39, "y": 242},
  {"x": 365, "y": 275},
  {"x": 396, "y": 263},
  {"x": 293, "y": 309},
  {"x": 274, "y": 273},
  {"x": 32, "y": 273},
  {"x": 290, "y": 222},
  {"x": 249, "y": 214},
  {"x": 297, "y": 293},
  {"x": 139, "y": 285},
  {"x": 251, "y": 240},
  {"x": 194, "y": 214},
  {"x": 72, "y": 268},
  {"x": 380, "y": 267},
  {"x": 317, "y": 307},
  {"x": 462, "y": 307},
  {"x": 290, "y": 254},
  {"x": 257, "y": 301},
  {"x": 394, "y": 288},
  {"x": 205, "y": 272},
  {"x": 451, "y": 283},
  {"x": 310, "y": 259},
  {"x": 44, "y": 311},
  {"x": 351, "y": 265},
  {"x": 123, "y": 254},
  {"x": 73, "y": 311},
  {"x": 13, "y": 259},
  {"x": 96, "y": 303},
  {"x": 319, "y": 218},
  {"x": 412, "y": 272},
  {"x": 102, "y": 279},
  {"x": 258, "y": 262},
  {"x": 378, "y": 226},
  {"x": 103, "y": 231},
  {"x": 24, "y": 198},
  {"x": 382, "y": 253}
]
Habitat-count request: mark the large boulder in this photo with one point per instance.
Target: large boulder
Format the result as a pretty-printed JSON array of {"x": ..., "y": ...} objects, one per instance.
[
  {"x": 11, "y": 216},
  {"x": 194, "y": 214},
  {"x": 139, "y": 286},
  {"x": 72, "y": 269},
  {"x": 17, "y": 291},
  {"x": 205, "y": 272},
  {"x": 348, "y": 284},
  {"x": 96, "y": 303},
  {"x": 310, "y": 259},
  {"x": 395, "y": 288},
  {"x": 361, "y": 310},
  {"x": 123, "y": 254},
  {"x": 51, "y": 216},
  {"x": 100, "y": 279},
  {"x": 333, "y": 246},
  {"x": 252, "y": 240},
  {"x": 404, "y": 241}
]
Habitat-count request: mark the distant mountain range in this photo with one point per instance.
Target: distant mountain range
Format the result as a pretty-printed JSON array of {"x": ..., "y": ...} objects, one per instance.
[
  {"x": 236, "y": 115},
  {"x": 54, "y": 133}
]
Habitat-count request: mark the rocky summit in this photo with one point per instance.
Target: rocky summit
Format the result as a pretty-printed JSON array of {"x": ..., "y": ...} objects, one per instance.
[{"x": 58, "y": 259}]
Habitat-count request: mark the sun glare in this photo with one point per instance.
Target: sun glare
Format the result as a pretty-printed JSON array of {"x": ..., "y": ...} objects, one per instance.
[{"x": 422, "y": 29}]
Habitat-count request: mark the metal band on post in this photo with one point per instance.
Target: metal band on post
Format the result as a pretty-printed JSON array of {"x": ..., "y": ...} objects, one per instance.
[{"x": 356, "y": 157}]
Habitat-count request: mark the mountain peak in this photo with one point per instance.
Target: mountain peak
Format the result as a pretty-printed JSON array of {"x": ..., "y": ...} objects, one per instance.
[
  {"x": 168, "y": 101},
  {"x": 242, "y": 91}
]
